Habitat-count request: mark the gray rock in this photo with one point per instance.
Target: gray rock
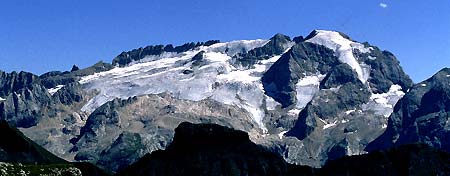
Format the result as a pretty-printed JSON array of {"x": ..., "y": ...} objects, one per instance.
[
  {"x": 421, "y": 116},
  {"x": 145, "y": 124},
  {"x": 303, "y": 59}
]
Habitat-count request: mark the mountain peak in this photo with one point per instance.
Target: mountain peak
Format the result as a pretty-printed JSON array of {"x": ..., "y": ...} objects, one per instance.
[
  {"x": 343, "y": 47},
  {"x": 321, "y": 31},
  {"x": 281, "y": 37}
]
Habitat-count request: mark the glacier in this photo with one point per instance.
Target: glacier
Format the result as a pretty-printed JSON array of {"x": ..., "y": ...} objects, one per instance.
[{"x": 218, "y": 79}]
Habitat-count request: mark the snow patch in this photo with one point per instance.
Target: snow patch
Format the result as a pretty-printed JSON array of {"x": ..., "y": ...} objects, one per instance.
[
  {"x": 383, "y": 104},
  {"x": 55, "y": 89},
  {"x": 343, "y": 49},
  {"x": 350, "y": 111},
  {"x": 2, "y": 99},
  {"x": 328, "y": 125},
  {"x": 423, "y": 85},
  {"x": 280, "y": 135},
  {"x": 306, "y": 88},
  {"x": 271, "y": 104},
  {"x": 294, "y": 112}
]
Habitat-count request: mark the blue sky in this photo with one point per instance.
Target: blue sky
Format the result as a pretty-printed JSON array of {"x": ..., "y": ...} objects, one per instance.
[{"x": 44, "y": 35}]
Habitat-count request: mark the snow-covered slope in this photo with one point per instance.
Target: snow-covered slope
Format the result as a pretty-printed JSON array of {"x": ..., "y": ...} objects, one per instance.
[
  {"x": 343, "y": 49},
  {"x": 177, "y": 74}
]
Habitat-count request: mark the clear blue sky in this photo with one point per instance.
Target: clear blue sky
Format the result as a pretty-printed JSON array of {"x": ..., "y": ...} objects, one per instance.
[{"x": 44, "y": 35}]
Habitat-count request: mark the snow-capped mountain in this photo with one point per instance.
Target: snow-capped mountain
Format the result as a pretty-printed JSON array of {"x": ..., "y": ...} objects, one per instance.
[{"x": 310, "y": 99}]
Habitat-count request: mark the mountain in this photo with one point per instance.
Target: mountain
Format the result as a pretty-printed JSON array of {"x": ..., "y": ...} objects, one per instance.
[
  {"x": 421, "y": 116},
  {"x": 208, "y": 149},
  {"x": 310, "y": 99}
]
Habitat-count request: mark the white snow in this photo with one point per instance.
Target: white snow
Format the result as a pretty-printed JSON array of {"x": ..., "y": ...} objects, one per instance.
[
  {"x": 343, "y": 49},
  {"x": 310, "y": 80},
  {"x": 294, "y": 112},
  {"x": 328, "y": 125},
  {"x": 218, "y": 79},
  {"x": 234, "y": 47},
  {"x": 280, "y": 135},
  {"x": 271, "y": 104},
  {"x": 306, "y": 88},
  {"x": 423, "y": 85},
  {"x": 2, "y": 99},
  {"x": 448, "y": 76},
  {"x": 350, "y": 111},
  {"x": 383, "y": 103},
  {"x": 54, "y": 89}
]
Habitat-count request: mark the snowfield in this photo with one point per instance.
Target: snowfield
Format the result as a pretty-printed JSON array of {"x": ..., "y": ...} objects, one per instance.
[{"x": 217, "y": 79}]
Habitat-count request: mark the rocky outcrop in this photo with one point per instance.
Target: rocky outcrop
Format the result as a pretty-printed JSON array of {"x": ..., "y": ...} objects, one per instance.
[
  {"x": 329, "y": 81},
  {"x": 55, "y": 78},
  {"x": 302, "y": 60},
  {"x": 125, "y": 58},
  {"x": 385, "y": 70},
  {"x": 422, "y": 115},
  {"x": 12, "y": 82},
  {"x": 22, "y": 107},
  {"x": 276, "y": 46},
  {"x": 121, "y": 131}
]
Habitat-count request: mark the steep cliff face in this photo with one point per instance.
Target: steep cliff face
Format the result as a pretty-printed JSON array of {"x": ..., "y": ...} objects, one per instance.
[
  {"x": 342, "y": 92},
  {"x": 421, "y": 116},
  {"x": 121, "y": 131}
]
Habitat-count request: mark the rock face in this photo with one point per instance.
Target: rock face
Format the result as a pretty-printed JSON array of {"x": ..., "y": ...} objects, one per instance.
[
  {"x": 121, "y": 131},
  {"x": 422, "y": 115},
  {"x": 279, "y": 81},
  {"x": 332, "y": 82},
  {"x": 207, "y": 149},
  {"x": 277, "y": 45}
]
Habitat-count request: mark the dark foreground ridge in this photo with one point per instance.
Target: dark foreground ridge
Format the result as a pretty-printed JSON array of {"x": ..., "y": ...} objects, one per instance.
[
  {"x": 209, "y": 149},
  {"x": 18, "y": 155},
  {"x": 15, "y": 147}
]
